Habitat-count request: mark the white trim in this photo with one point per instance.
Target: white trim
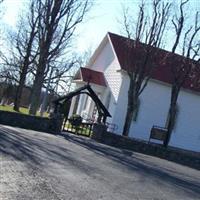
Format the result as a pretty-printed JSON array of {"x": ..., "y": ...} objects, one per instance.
[
  {"x": 113, "y": 50},
  {"x": 97, "y": 51}
]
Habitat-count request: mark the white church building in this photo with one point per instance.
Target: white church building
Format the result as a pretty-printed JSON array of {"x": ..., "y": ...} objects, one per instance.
[{"x": 107, "y": 75}]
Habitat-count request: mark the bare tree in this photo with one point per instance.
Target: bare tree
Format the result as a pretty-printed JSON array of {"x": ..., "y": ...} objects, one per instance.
[
  {"x": 58, "y": 20},
  {"x": 0, "y": 12},
  {"x": 83, "y": 58},
  {"x": 10, "y": 60},
  {"x": 9, "y": 68},
  {"x": 182, "y": 66},
  {"x": 20, "y": 51},
  {"x": 57, "y": 73},
  {"x": 24, "y": 42},
  {"x": 148, "y": 36},
  {"x": 6, "y": 89}
]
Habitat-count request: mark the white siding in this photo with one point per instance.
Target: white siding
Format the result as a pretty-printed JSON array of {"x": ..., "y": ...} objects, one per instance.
[
  {"x": 121, "y": 105},
  {"x": 153, "y": 110},
  {"x": 107, "y": 62},
  {"x": 187, "y": 132},
  {"x": 114, "y": 79},
  {"x": 154, "y": 103},
  {"x": 103, "y": 59}
]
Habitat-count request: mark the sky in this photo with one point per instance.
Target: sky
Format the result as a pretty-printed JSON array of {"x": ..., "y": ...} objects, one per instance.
[{"x": 103, "y": 17}]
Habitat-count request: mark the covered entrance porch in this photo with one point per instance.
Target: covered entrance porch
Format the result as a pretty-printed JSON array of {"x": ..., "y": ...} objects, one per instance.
[{"x": 77, "y": 123}]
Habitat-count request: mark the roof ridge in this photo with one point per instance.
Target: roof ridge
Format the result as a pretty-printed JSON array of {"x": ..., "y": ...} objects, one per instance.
[
  {"x": 162, "y": 70},
  {"x": 161, "y": 49}
]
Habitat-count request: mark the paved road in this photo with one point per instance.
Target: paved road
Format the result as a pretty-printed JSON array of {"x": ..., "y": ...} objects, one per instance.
[{"x": 41, "y": 166}]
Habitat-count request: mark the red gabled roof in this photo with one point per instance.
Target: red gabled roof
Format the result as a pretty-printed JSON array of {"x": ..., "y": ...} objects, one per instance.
[
  {"x": 128, "y": 57},
  {"x": 90, "y": 76}
]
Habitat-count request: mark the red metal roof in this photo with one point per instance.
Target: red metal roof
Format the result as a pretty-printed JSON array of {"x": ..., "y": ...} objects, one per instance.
[
  {"x": 128, "y": 57},
  {"x": 91, "y": 76}
]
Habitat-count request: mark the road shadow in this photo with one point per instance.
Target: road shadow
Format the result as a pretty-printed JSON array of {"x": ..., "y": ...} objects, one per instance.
[
  {"x": 128, "y": 160},
  {"x": 39, "y": 149}
]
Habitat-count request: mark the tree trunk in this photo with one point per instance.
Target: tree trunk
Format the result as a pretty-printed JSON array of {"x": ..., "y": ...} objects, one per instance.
[
  {"x": 39, "y": 78},
  {"x": 44, "y": 102},
  {"x": 20, "y": 88},
  {"x": 172, "y": 114},
  {"x": 128, "y": 121},
  {"x": 130, "y": 108},
  {"x": 24, "y": 72},
  {"x": 36, "y": 91}
]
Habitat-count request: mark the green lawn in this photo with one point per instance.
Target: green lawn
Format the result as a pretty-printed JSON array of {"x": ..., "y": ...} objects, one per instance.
[
  {"x": 79, "y": 130},
  {"x": 22, "y": 110}
]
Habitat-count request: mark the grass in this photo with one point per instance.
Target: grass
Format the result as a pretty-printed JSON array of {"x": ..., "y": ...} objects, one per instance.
[
  {"x": 80, "y": 130},
  {"x": 22, "y": 110}
]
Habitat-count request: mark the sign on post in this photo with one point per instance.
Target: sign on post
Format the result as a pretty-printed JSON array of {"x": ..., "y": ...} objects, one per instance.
[{"x": 158, "y": 133}]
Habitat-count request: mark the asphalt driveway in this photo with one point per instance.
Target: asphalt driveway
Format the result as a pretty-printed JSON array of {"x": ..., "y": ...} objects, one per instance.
[{"x": 41, "y": 166}]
